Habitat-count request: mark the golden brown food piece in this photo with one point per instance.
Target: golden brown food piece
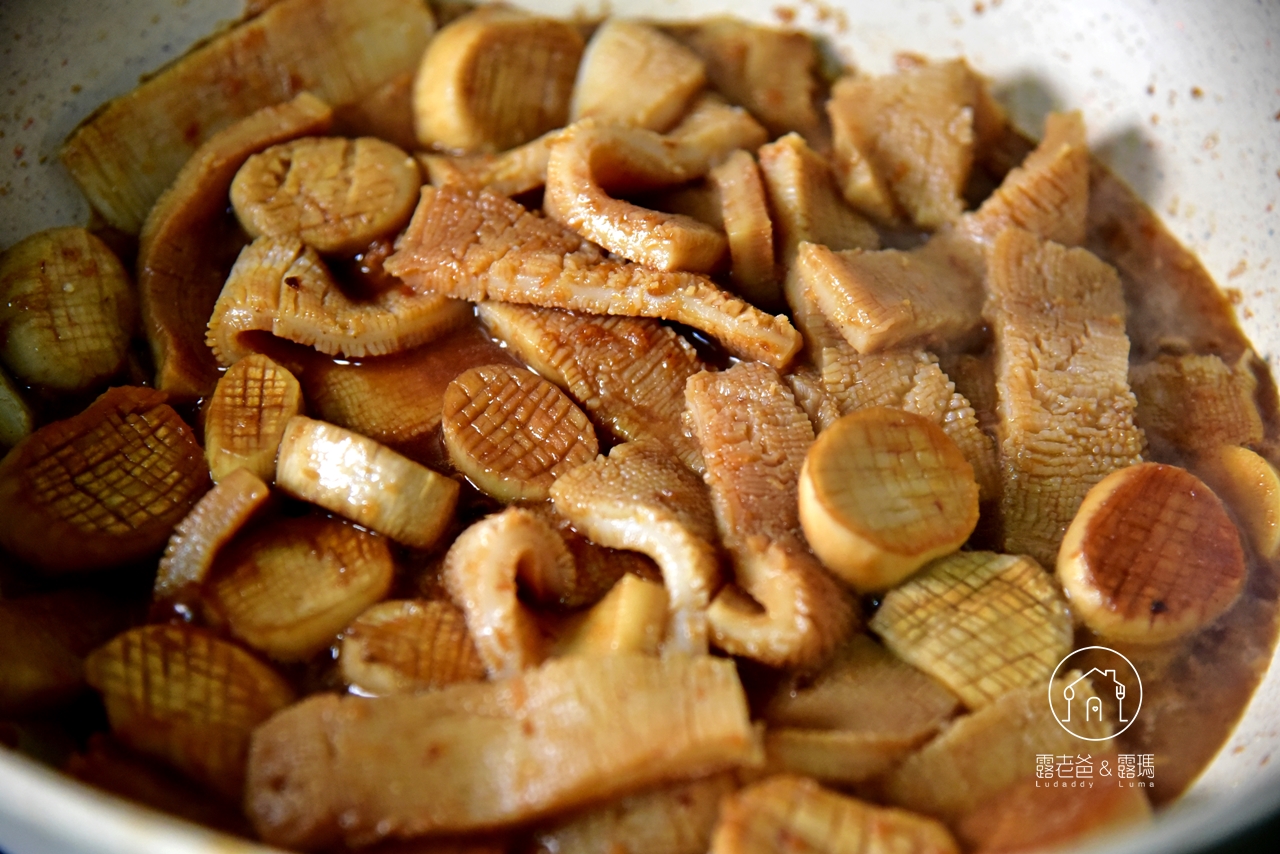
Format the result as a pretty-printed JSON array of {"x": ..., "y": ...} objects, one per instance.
[
  {"x": 480, "y": 573},
  {"x": 368, "y": 483},
  {"x": 514, "y": 171},
  {"x": 1047, "y": 195},
  {"x": 982, "y": 753},
  {"x": 245, "y": 419},
  {"x": 885, "y": 299},
  {"x": 642, "y": 498},
  {"x": 512, "y": 433},
  {"x": 980, "y": 623},
  {"x": 398, "y": 400},
  {"x": 1062, "y": 363},
  {"x": 188, "y": 242},
  {"x": 713, "y": 129},
  {"x": 1027, "y": 817},
  {"x": 595, "y": 569},
  {"x": 67, "y": 310},
  {"x": 287, "y": 589},
  {"x": 812, "y": 396},
  {"x": 855, "y": 718},
  {"x": 1196, "y": 403},
  {"x": 485, "y": 246},
  {"x": 102, "y": 488},
  {"x": 672, "y": 819},
  {"x": 917, "y": 130},
  {"x": 403, "y": 646},
  {"x": 629, "y": 373},
  {"x": 493, "y": 79},
  {"x": 754, "y": 438},
  {"x": 632, "y": 617},
  {"x": 16, "y": 418},
  {"x": 1151, "y": 555},
  {"x": 43, "y": 641},
  {"x": 342, "y": 51},
  {"x": 476, "y": 757},
  {"x": 179, "y": 694},
  {"x": 622, "y": 52},
  {"x": 1250, "y": 486},
  {"x": 883, "y": 492},
  {"x": 591, "y": 160},
  {"x": 772, "y": 72},
  {"x": 745, "y": 213},
  {"x": 110, "y": 766},
  {"x": 210, "y": 525},
  {"x": 280, "y": 286},
  {"x": 806, "y": 202},
  {"x": 385, "y": 113},
  {"x": 334, "y": 194},
  {"x": 789, "y": 813}
]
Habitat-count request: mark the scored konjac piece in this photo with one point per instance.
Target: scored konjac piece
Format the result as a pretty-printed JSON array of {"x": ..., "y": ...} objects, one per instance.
[
  {"x": 479, "y": 757},
  {"x": 479, "y": 246}
]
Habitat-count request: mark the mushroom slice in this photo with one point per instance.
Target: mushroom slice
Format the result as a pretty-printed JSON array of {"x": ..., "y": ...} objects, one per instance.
[
  {"x": 574, "y": 732},
  {"x": 515, "y": 171},
  {"x": 1066, "y": 411},
  {"x": 754, "y": 438},
  {"x": 882, "y": 493},
  {"x": 672, "y": 819},
  {"x": 480, "y": 246},
  {"x": 189, "y": 242},
  {"x": 1151, "y": 556},
  {"x": 1197, "y": 402},
  {"x": 246, "y": 416},
  {"x": 180, "y": 694},
  {"x": 480, "y": 572},
  {"x": 806, "y": 203},
  {"x": 334, "y": 194},
  {"x": 287, "y": 589},
  {"x": 640, "y": 497},
  {"x": 795, "y": 813},
  {"x": 745, "y": 213},
  {"x": 770, "y": 71},
  {"x": 102, "y": 488},
  {"x": 67, "y": 310},
  {"x": 398, "y": 400},
  {"x": 1047, "y": 195},
  {"x": 628, "y": 373},
  {"x": 622, "y": 52},
  {"x": 512, "y": 433},
  {"x": 404, "y": 646},
  {"x": 879, "y": 300},
  {"x": 713, "y": 130},
  {"x": 342, "y": 51},
  {"x": 917, "y": 128},
  {"x": 978, "y": 622},
  {"x": 1250, "y": 486},
  {"x": 210, "y": 525},
  {"x": 590, "y": 160},
  {"x": 493, "y": 79},
  {"x": 368, "y": 483},
  {"x": 280, "y": 286},
  {"x": 16, "y": 418},
  {"x": 981, "y": 754},
  {"x": 632, "y": 617}
]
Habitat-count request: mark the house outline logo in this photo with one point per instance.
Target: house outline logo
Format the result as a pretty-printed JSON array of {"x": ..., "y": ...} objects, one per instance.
[{"x": 1072, "y": 712}]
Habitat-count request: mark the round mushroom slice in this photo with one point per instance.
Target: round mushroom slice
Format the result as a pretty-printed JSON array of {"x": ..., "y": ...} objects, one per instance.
[
  {"x": 334, "y": 194},
  {"x": 513, "y": 433},
  {"x": 1151, "y": 555},
  {"x": 882, "y": 493}
]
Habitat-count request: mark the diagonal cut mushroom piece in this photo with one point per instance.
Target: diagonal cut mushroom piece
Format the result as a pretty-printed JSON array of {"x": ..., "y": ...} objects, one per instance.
[
  {"x": 754, "y": 438},
  {"x": 480, "y": 245},
  {"x": 592, "y": 160},
  {"x": 280, "y": 286},
  {"x": 642, "y": 498},
  {"x": 480, "y": 573}
]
